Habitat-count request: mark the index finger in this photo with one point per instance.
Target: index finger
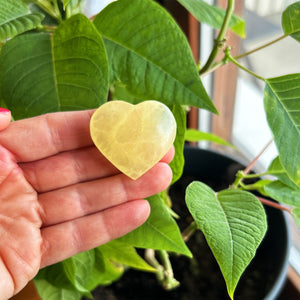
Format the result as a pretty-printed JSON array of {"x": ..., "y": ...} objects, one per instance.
[{"x": 39, "y": 137}]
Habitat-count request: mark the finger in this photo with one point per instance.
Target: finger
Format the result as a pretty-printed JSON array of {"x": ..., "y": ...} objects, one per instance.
[
  {"x": 169, "y": 155},
  {"x": 47, "y": 135},
  {"x": 5, "y": 118},
  {"x": 90, "y": 197},
  {"x": 67, "y": 168},
  {"x": 71, "y": 167},
  {"x": 67, "y": 239}
]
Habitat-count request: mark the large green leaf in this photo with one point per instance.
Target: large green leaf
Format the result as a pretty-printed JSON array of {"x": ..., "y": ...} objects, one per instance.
[
  {"x": 15, "y": 18},
  {"x": 122, "y": 253},
  {"x": 159, "y": 232},
  {"x": 213, "y": 15},
  {"x": 282, "y": 106},
  {"x": 42, "y": 73},
  {"x": 234, "y": 224},
  {"x": 290, "y": 20},
  {"x": 149, "y": 53}
]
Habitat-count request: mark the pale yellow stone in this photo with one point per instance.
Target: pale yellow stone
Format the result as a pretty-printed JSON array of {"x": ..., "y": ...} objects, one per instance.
[{"x": 133, "y": 137}]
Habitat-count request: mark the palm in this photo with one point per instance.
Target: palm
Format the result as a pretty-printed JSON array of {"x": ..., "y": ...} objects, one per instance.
[
  {"x": 50, "y": 205},
  {"x": 20, "y": 222}
]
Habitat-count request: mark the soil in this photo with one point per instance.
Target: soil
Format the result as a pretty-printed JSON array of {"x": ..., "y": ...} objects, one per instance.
[{"x": 200, "y": 278}]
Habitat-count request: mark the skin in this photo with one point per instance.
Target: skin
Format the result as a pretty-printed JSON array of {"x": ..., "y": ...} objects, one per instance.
[{"x": 59, "y": 196}]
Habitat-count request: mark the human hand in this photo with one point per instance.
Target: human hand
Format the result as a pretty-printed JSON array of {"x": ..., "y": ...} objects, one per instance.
[{"x": 59, "y": 196}]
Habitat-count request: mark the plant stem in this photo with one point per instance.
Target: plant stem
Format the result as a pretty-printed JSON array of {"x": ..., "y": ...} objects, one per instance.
[
  {"x": 170, "y": 282},
  {"x": 225, "y": 61},
  {"x": 260, "y": 47},
  {"x": 164, "y": 271},
  {"x": 188, "y": 232},
  {"x": 233, "y": 60},
  {"x": 273, "y": 204},
  {"x": 242, "y": 174},
  {"x": 220, "y": 40}
]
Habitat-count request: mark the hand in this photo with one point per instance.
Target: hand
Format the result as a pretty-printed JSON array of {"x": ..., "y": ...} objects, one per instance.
[{"x": 59, "y": 196}]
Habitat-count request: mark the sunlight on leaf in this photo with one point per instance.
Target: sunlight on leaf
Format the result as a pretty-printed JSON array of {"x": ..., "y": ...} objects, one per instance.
[
  {"x": 193, "y": 135},
  {"x": 213, "y": 15},
  {"x": 234, "y": 224}
]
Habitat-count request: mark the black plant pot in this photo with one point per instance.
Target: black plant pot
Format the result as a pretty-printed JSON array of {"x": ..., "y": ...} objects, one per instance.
[{"x": 200, "y": 277}]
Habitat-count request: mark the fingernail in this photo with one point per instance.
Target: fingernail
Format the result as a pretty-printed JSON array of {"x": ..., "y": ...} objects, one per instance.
[{"x": 4, "y": 110}]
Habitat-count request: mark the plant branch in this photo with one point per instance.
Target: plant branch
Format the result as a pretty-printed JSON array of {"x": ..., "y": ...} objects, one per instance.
[
  {"x": 220, "y": 40},
  {"x": 233, "y": 60},
  {"x": 274, "y": 204},
  {"x": 260, "y": 47}
]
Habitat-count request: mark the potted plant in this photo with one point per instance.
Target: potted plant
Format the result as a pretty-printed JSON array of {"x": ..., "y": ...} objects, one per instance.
[{"x": 54, "y": 58}]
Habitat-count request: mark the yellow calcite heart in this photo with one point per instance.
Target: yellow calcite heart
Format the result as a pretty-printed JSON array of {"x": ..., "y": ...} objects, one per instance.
[{"x": 133, "y": 137}]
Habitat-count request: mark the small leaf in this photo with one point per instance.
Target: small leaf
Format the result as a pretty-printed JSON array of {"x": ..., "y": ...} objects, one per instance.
[
  {"x": 104, "y": 272},
  {"x": 296, "y": 215},
  {"x": 290, "y": 20},
  {"x": 122, "y": 253},
  {"x": 213, "y": 15},
  {"x": 67, "y": 71},
  {"x": 282, "y": 106},
  {"x": 234, "y": 224},
  {"x": 50, "y": 292},
  {"x": 15, "y": 18},
  {"x": 78, "y": 269},
  {"x": 193, "y": 135},
  {"x": 177, "y": 163},
  {"x": 283, "y": 193},
  {"x": 159, "y": 232},
  {"x": 149, "y": 53},
  {"x": 276, "y": 169}
]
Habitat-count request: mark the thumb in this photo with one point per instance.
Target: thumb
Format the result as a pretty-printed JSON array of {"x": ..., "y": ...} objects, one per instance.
[{"x": 5, "y": 117}]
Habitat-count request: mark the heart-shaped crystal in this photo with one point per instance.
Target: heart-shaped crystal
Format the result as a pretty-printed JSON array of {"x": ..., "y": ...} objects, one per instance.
[{"x": 133, "y": 137}]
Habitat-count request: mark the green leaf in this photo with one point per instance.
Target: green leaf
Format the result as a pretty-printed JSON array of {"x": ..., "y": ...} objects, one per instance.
[
  {"x": 149, "y": 53},
  {"x": 282, "y": 106},
  {"x": 283, "y": 193},
  {"x": 296, "y": 216},
  {"x": 122, "y": 253},
  {"x": 50, "y": 292},
  {"x": 193, "y": 135},
  {"x": 65, "y": 3},
  {"x": 234, "y": 224},
  {"x": 15, "y": 18},
  {"x": 67, "y": 71},
  {"x": 213, "y": 15},
  {"x": 290, "y": 20},
  {"x": 78, "y": 270},
  {"x": 104, "y": 272},
  {"x": 159, "y": 232},
  {"x": 276, "y": 169},
  {"x": 177, "y": 163}
]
